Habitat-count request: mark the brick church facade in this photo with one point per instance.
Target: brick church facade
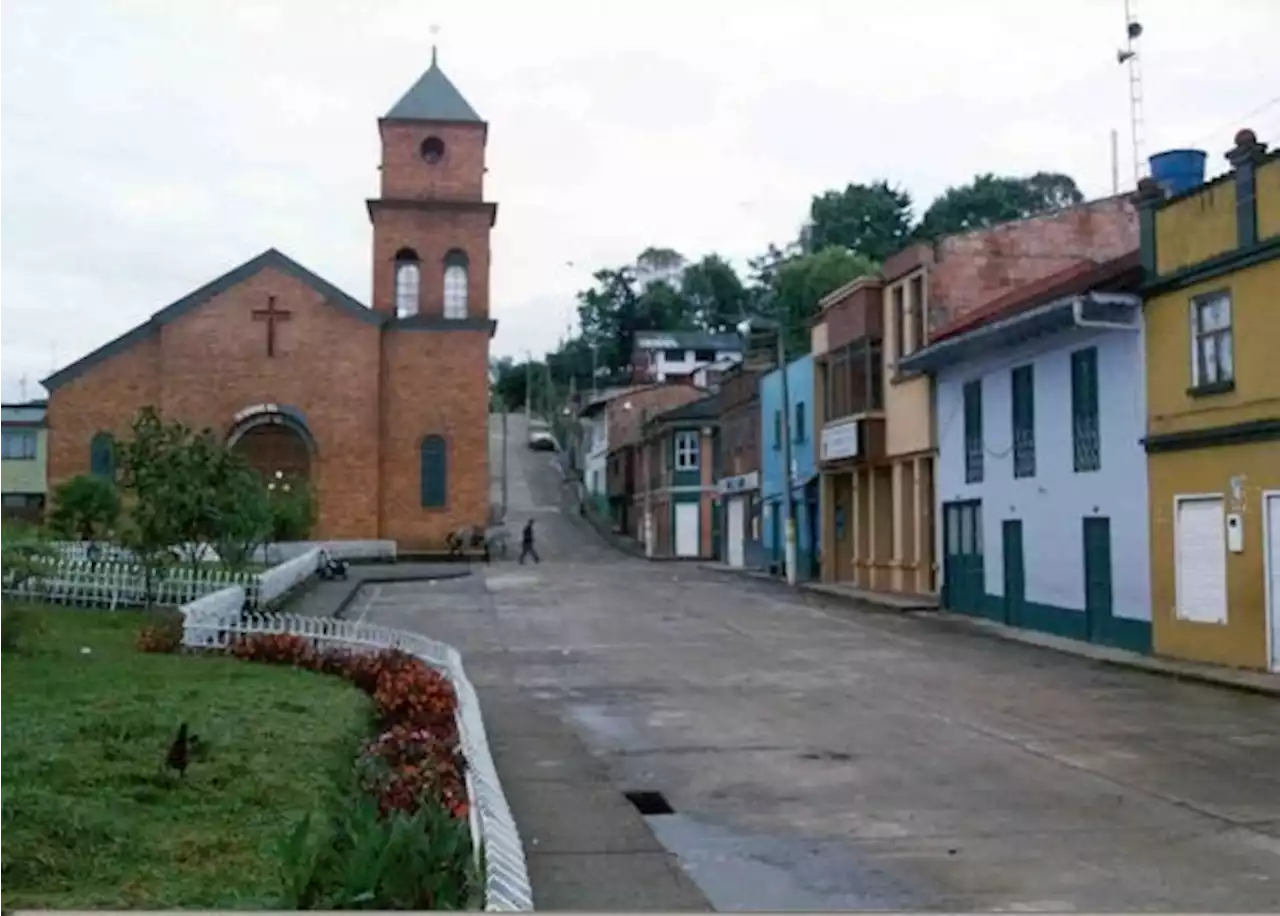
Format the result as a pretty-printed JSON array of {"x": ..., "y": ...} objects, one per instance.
[{"x": 383, "y": 408}]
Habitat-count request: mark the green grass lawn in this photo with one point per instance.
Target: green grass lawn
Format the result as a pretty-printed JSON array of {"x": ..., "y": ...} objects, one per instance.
[{"x": 90, "y": 817}]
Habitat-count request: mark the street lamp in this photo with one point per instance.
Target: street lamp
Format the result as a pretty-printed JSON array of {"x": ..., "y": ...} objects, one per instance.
[{"x": 746, "y": 328}]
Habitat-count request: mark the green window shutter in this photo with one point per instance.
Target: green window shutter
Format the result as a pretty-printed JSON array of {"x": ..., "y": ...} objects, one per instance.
[
  {"x": 1085, "y": 429},
  {"x": 973, "y": 431},
  {"x": 102, "y": 456},
  {"x": 434, "y": 472},
  {"x": 1024, "y": 422}
]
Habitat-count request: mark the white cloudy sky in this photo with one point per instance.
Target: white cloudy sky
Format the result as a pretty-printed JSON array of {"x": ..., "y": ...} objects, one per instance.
[{"x": 150, "y": 145}]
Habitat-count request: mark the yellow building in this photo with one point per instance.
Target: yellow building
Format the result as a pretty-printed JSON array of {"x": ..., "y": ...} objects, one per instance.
[
  {"x": 25, "y": 462},
  {"x": 1212, "y": 257}
]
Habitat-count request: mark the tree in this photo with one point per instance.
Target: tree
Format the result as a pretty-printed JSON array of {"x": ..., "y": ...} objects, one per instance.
[
  {"x": 185, "y": 490},
  {"x": 151, "y": 474},
  {"x": 871, "y": 219},
  {"x": 801, "y": 284},
  {"x": 292, "y": 508},
  {"x": 510, "y": 386},
  {"x": 241, "y": 517},
  {"x": 714, "y": 296},
  {"x": 989, "y": 200},
  {"x": 661, "y": 261},
  {"x": 24, "y": 555},
  {"x": 85, "y": 508}
]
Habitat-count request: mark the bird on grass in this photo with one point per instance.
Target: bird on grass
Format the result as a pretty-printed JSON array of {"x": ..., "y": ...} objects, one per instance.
[{"x": 181, "y": 749}]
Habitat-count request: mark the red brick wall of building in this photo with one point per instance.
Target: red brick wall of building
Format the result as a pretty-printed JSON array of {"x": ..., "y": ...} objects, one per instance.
[
  {"x": 459, "y": 175},
  {"x": 437, "y": 382},
  {"x": 972, "y": 268},
  {"x": 431, "y": 234},
  {"x": 211, "y": 362}
]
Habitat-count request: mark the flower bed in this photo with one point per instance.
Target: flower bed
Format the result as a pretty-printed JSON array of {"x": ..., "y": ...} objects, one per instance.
[
  {"x": 213, "y": 623},
  {"x": 411, "y": 805}
]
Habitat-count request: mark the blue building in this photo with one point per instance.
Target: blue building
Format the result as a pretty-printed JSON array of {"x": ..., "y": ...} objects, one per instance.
[
  {"x": 803, "y": 472},
  {"x": 1042, "y": 477}
]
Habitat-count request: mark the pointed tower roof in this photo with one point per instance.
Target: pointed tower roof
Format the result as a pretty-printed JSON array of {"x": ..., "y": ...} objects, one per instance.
[{"x": 434, "y": 98}]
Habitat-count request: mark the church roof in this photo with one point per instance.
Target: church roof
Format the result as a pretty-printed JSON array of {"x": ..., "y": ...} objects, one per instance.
[{"x": 434, "y": 98}]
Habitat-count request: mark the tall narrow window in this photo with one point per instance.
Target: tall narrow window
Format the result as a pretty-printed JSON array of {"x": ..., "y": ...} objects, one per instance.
[
  {"x": 1023, "y": 383},
  {"x": 1024, "y": 422},
  {"x": 102, "y": 456},
  {"x": 455, "y": 284},
  {"x": 917, "y": 312},
  {"x": 898, "y": 300},
  {"x": 777, "y": 430},
  {"x": 798, "y": 434},
  {"x": 973, "y": 431},
  {"x": 1086, "y": 435},
  {"x": 1213, "y": 351},
  {"x": 434, "y": 472},
  {"x": 408, "y": 282}
]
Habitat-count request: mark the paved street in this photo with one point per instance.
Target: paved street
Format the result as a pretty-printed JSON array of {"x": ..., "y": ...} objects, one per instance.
[{"x": 820, "y": 757}]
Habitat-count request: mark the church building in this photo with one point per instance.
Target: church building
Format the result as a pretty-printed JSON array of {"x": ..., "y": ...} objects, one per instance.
[{"x": 383, "y": 409}]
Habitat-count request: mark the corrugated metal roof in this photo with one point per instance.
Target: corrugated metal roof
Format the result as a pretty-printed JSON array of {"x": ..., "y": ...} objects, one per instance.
[{"x": 688, "y": 340}]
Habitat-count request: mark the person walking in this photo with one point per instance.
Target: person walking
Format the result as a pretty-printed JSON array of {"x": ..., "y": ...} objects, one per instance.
[{"x": 526, "y": 544}]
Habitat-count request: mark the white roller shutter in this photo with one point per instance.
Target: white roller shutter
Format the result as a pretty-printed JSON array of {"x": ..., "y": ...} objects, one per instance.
[{"x": 1201, "y": 557}]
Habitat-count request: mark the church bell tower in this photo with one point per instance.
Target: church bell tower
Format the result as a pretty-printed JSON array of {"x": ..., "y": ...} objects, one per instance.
[
  {"x": 431, "y": 227},
  {"x": 431, "y": 223}
]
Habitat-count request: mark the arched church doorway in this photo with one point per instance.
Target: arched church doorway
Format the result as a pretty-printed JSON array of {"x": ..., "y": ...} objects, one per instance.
[{"x": 274, "y": 440}]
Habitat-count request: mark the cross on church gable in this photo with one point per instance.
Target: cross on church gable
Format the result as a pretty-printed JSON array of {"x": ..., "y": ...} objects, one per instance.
[{"x": 271, "y": 315}]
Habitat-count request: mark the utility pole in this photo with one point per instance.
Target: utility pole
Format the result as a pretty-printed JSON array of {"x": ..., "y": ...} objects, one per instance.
[
  {"x": 648, "y": 484},
  {"x": 745, "y": 329}
]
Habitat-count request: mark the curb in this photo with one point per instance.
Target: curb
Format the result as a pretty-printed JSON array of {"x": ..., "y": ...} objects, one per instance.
[
  {"x": 1229, "y": 679},
  {"x": 356, "y": 584}
]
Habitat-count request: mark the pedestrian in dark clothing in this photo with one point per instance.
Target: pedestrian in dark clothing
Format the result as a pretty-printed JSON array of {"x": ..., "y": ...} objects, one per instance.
[{"x": 526, "y": 543}]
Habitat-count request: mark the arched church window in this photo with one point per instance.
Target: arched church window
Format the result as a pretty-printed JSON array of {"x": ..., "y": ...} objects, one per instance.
[
  {"x": 455, "y": 284},
  {"x": 408, "y": 275},
  {"x": 102, "y": 456},
  {"x": 434, "y": 472}
]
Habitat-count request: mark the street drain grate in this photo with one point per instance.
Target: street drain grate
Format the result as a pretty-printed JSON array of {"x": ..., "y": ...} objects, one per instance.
[
  {"x": 650, "y": 803},
  {"x": 827, "y": 755}
]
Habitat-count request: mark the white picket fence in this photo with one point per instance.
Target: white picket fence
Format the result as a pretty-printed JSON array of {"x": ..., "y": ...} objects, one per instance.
[
  {"x": 123, "y": 584},
  {"x": 267, "y": 554},
  {"x": 215, "y": 621}
]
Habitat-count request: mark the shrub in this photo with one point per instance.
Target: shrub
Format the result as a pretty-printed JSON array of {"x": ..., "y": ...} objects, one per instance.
[
  {"x": 276, "y": 649},
  {"x": 363, "y": 859},
  {"x": 163, "y": 633},
  {"x": 292, "y": 507},
  {"x": 85, "y": 508},
  {"x": 411, "y": 692},
  {"x": 404, "y": 767}
]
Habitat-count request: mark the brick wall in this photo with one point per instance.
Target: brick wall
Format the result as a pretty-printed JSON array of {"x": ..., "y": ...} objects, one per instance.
[
  {"x": 458, "y": 175},
  {"x": 969, "y": 270},
  {"x": 431, "y": 234},
  {"x": 436, "y": 382},
  {"x": 624, "y": 423}
]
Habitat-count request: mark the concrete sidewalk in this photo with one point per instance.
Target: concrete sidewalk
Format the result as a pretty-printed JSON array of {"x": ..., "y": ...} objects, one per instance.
[
  {"x": 862, "y": 600},
  {"x": 586, "y": 846}
]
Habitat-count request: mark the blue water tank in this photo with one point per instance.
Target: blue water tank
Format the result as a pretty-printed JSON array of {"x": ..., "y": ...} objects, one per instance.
[{"x": 1178, "y": 170}]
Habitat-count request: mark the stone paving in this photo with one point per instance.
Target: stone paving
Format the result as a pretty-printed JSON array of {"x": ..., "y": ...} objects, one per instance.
[{"x": 819, "y": 757}]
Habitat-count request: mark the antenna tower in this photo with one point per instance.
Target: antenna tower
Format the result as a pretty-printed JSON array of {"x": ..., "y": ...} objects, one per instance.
[{"x": 1129, "y": 55}]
